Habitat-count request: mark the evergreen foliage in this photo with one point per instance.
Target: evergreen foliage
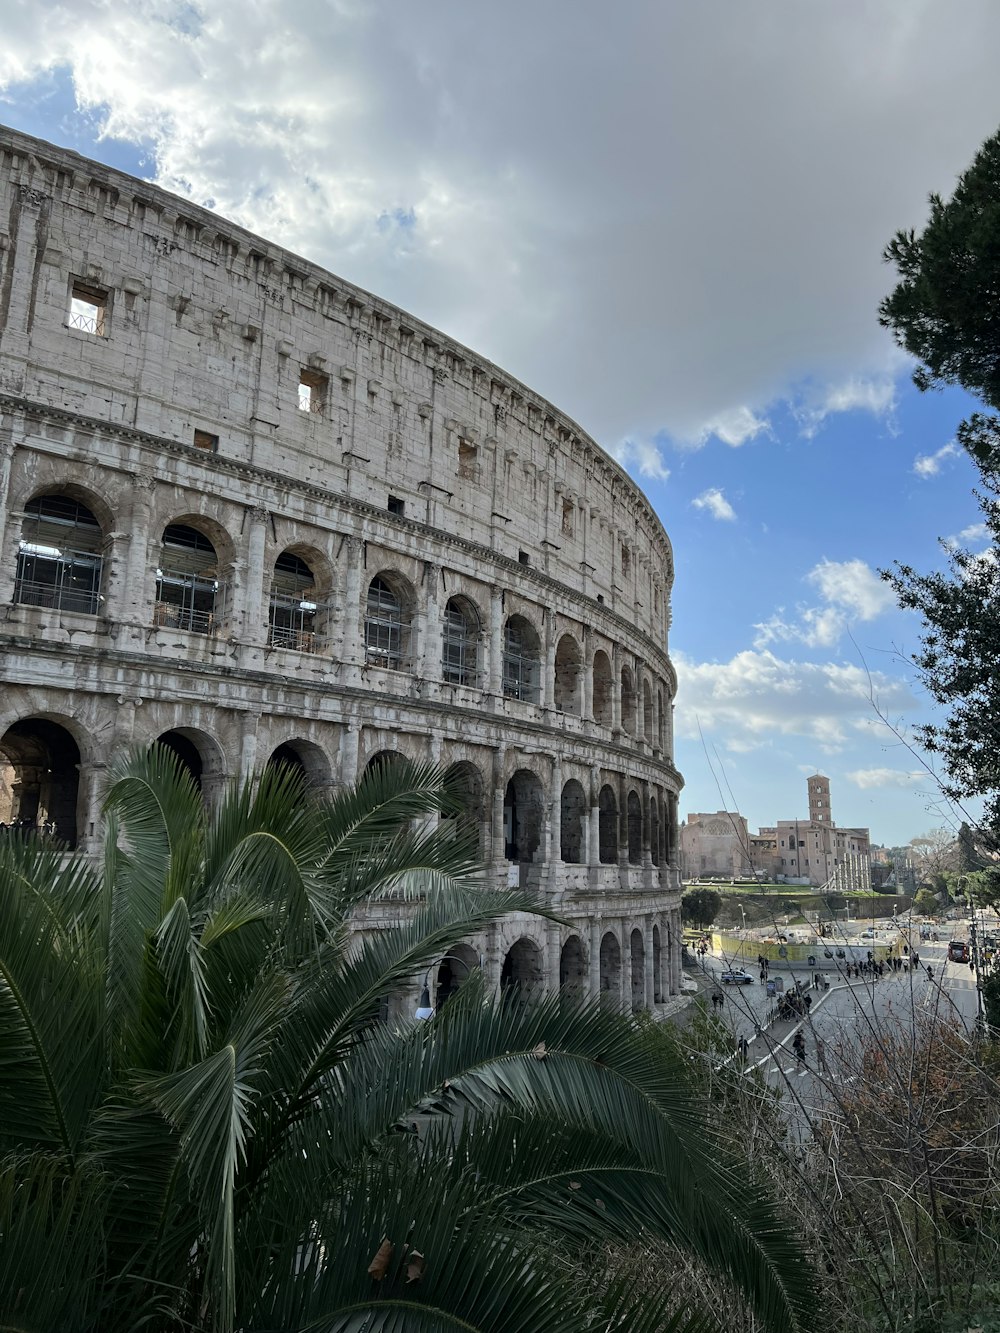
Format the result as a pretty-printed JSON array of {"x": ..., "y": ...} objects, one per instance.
[{"x": 205, "y": 1124}]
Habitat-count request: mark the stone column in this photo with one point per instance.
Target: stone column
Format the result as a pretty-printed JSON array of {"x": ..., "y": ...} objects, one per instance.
[
  {"x": 428, "y": 624},
  {"x": 555, "y": 817},
  {"x": 640, "y": 703},
  {"x": 496, "y": 642},
  {"x": 246, "y": 614},
  {"x": 549, "y": 659},
  {"x": 497, "y": 839},
  {"x": 352, "y": 625},
  {"x": 587, "y": 702},
  {"x": 6, "y": 455},
  {"x": 647, "y": 858},
  {"x": 552, "y": 958},
  {"x": 131, "y": 599},
  {"x": 622, "y": 821},
  {"x": 616, "y": 690},
  {"x": 248, "y": 744},
  {"x": 349, "y": 737},
  {"x": 594, "y": 841}
]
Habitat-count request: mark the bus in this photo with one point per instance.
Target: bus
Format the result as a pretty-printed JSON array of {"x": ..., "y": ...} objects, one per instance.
[{"x": 958, "y": 951}]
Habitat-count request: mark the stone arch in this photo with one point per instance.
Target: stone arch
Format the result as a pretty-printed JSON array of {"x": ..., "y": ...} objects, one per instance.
[
  {"x": 637, "y": 970},
  {"x": 573, "y": 970},
  {"x": 40, "y": 778},
  {"x": 190, "y": 591},
  {"x": 659, "y": 718},
  {"x": 60, "y": 556},
  {"x": 654, "y": 830},
  {"x": 634, "y": 817},
  {"x": 296, "y": 615},
  {"x": 602, "y": 706},
  {"x": 466, "y": 784},
  {"x": 382, "y": 759},
  {"x": 522, "y": 973},
  {"x": 573, "y": 823},
  {"x": 607, "y": 826},
  {"x": 200, "y": 754},
  {"x": 657, "y": 979},
  {"x": 304, "y": 757},
  {"x": 522, "y": 663},
  {"x": 523, "y": 813},
  {"x": 453, "y": 970},
  {"x": 461, "y": 633},
  {"x": 647, "y": 712},
  {"x": 628, "y": 700},
  {"x": 611, "y": 971},
  {"x": 568, "y": 675},
  {"x": 388, "y": 616}
]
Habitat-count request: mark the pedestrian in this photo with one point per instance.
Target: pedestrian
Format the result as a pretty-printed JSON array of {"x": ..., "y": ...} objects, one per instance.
[
  {"x": 799, "y": 1048},
  {"x": 743, "y": 1049},
  {"x": 821, "y": 1055},
  {"x": 930, "y": 973}
]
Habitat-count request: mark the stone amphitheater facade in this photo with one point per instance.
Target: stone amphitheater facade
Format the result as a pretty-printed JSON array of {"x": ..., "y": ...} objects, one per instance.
[{"x": 259, "y": 514}]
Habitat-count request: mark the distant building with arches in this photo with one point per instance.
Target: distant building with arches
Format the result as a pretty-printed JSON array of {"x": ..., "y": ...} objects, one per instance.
[{"x": 259, "y": 515}]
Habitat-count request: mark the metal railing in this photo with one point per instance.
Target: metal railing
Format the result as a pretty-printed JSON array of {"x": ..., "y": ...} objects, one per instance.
[{"x": 58, "y": 596}]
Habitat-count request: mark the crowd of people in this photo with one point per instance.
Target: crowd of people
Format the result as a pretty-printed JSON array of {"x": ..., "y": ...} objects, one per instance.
[{"x": 45, "y": 828}]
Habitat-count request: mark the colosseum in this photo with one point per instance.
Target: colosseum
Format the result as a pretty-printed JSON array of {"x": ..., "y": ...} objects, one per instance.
[{"x": 258, "y": 514}]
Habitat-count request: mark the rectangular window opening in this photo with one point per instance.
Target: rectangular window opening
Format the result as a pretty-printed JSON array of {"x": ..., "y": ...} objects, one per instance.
[
  {"x": 567, "y": 517},
  {"x": 88, "y": 309},
  {"x": 523, "y": 558},
  {"x": 204, "y": 439},
  {"x": 468, "y": 460},
  {"x": 396, "y": 506},
  {"x": 312, "y": 391}
]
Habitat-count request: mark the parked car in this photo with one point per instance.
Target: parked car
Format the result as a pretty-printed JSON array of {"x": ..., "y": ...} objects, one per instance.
[{"x": 737, "y": 977}]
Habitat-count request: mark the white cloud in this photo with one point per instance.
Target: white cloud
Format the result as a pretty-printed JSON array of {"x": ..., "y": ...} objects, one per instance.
[
  {"x": 851, "y": 590},
  {"x": 756, "y": 699},
  {"x": 733, "y": 427},
  {"x": 929, "y": 465},
  {"x": 877, "y": 396},
  {"x": 642, "y": 456},
  {"x": 976, "y": 532},
  {"x": 869, "y": 778},
  {"x": 716, "y": 503},
  {"x": 589, "y": 245}
]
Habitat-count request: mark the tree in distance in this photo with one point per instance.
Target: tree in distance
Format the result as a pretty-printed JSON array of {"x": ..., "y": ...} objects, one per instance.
[
  {"x": 208, "y": 1122},
  {"x": 701, "y": 906}
]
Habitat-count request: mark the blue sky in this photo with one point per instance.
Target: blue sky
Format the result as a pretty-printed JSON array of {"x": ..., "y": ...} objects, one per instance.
[{"x": 666, "y": 218}]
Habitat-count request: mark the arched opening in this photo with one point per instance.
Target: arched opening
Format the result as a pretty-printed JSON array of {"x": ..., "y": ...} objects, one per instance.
[
  {"x": 611, "y": 971},
  {"x": 522, "y": 816},
  {"x": 387, "y": 625},
  {"x": 453, "y": 971},
  {"x": 188, "y": 593},
  {"x": 659, "y": 718},
  {"x": 567, "y": 678},
  {"x": 460, "y": 642},
  {"x": 521, "y": 660},
  {"x": 654, "y": 830},
  {"x": 40, "y": 779},
  {"x": 184, "y": 748},
  {"x": 634, "y": 813},
  {"x": 382, "y": 759},
  {"x": 607, "y": 824},
  {"x": 465, "y": 784},
  {"x": 522, "y": 972},
  {"x": 638, "y": 971},
  {"x": 647, "y": 712},
  {"x": 602, "y": 688},
  {"x": 657, "y": 983},
  {"x": 286, "y": 756},
  {"x": 291, "y": 616},
  {"x": 572, "y": 970},
  {"x": 628, "y": 701},
  {"x": 60, "y": 557},
  {"x": 573, "y": 823}
]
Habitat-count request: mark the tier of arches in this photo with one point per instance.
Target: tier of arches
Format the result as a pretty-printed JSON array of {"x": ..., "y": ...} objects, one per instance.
[
  {"x": 522, "y": 815},
  {"x": 190, "y": 577},
  {"x": 630, "y": 965}
]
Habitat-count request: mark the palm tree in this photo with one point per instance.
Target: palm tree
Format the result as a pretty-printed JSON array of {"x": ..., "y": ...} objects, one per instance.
[{"x": 204, "y": 1125}]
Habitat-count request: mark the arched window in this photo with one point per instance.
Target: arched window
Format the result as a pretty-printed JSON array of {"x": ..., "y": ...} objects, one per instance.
[
  {"x": 573, "y": 823},
  {"x": 460, "y": 643},
  {"x": 59, "y": 560},
  {"x": 188, "y": 594},
  {"x": 602, "y": 688},
  {"x": 659, "y": 718},
  {"x": 292, "y": 612},
  {"x": 40, "y": 779},
  {"x": 634, "y": 813},
  {"x": 521, "y": 663},
  {"x": 386, "y": 628},
  {"x": 628, "y": 701},
  {"x": 567, "y": 681},
  {"x": 647, "y": 713}
]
